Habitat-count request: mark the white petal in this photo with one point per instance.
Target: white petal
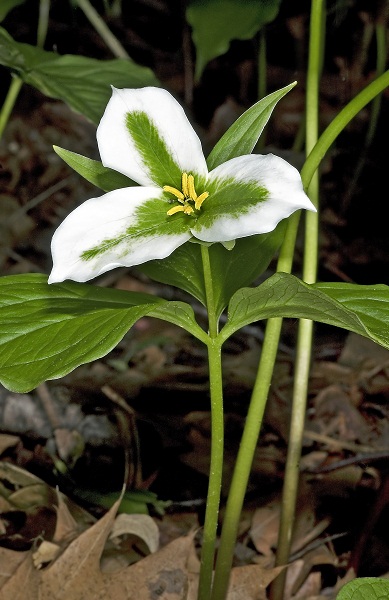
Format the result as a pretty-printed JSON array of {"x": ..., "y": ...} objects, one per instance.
[
  {"x": 285, "y": 196},
  {"x": 117, "y": 148},
  {"x": 102, "y": 223}
]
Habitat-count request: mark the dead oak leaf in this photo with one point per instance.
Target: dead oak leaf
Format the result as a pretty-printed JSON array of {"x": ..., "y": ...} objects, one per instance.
[{"x": 76, "y": 573}]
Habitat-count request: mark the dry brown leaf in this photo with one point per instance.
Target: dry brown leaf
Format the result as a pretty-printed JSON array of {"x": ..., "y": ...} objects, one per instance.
[
  {"x": 264, "y": 528},
  {"x": 250, "y": 582},
  {"x": 8, "y": 441},
  {"x": 23, "y": 584},
  {"x": 76, "y": 573},
  {"x": 9, "y": 563},
  {"x": 66, "y": 527}
]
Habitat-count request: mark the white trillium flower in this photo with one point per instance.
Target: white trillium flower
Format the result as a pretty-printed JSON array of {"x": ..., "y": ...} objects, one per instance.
[{"x": 145, "y": 134}]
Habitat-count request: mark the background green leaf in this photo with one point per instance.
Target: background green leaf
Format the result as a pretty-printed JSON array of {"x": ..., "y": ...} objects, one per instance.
[
  {"x": 46, "y": 331},
  {"x": 363, "y": 309},
  {"x": 365, "y": 588},
  {"x": 83, "y": 83},
  {"x": 6, "y": 6},
  {"x": 216, "y": 22},
  {"x": 92, "y": 170}
]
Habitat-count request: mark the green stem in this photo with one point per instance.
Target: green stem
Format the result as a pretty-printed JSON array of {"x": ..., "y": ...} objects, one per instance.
[
  {"x": 337, "y": 125},
  {"x": 305, "y": 332},
  {"x": 244, "y": 460},
  {"x": 217, "y": 439},
  {"x": 9, "y": 102},
  {"x": 43, "y": 22},
  {"x": 213, "y": 322},
  {"x": 102, "y": 29}
]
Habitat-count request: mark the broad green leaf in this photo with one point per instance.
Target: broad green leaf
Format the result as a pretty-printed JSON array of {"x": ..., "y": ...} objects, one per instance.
[
  {"x": 92, "y": 170},
  {"x": 232, "y": 269},
  {"x": 46, "y": 331},
  {"x": 365, "y": 588},
  {"x": 215, "y": 23},
  {"x": 83, "y": 83},
  {"x": 243, "y": 135},
  {"x": 362, "y": 309},
  {"x": 7, "y": 5}
]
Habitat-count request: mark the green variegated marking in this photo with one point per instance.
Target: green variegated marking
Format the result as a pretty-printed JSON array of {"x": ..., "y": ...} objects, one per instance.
[
  {"x": 155, "y": 155},
  {"x": 148, "y": 221},
  {"x": 229, "y": 198}
]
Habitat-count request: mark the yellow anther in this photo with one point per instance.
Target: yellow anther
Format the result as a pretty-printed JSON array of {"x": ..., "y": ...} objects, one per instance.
[
  {"x": 191, "y": 188},
  {"x": 174, "y": 191},
  {"x": 186, "y": 197},
  {"x": 200, "y": 199},
  {"x": 184, "y": 184},
  {"x": 176, "y": 209}
]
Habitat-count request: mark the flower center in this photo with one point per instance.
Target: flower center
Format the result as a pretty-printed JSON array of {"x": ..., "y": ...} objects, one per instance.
[{"x": 187, "y": 197}]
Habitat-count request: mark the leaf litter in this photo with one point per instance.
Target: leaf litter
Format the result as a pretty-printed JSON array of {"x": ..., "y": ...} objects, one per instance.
[{"x": 346, "y": 439}]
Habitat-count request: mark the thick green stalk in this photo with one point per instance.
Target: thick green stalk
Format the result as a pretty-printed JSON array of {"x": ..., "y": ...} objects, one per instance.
[
  {"x": 244, "y": 460},
  {"x": 217, "y": 439},
  {"x": 305, "y": 332},
  {"x": 102, "y": 29}
]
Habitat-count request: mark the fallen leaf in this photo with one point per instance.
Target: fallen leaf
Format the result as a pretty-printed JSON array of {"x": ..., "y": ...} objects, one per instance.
[{"x": 76, "y": 573}]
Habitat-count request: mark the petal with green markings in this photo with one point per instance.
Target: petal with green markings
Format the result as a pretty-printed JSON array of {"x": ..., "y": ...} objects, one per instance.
[
  {"x": 249, "y": 195},
  {"x": 145, "y": 134},
  {"x": 124, "y": 227}
]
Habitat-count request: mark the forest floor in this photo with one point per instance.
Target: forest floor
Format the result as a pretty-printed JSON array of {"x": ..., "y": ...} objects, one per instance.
[{"x": 145, "y": 406}]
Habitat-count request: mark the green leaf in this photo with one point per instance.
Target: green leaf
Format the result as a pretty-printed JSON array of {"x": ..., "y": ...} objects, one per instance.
[
  {"x": 83, "y": 83},
  {"x": 216, "y": 22},
  {"x": 7, "y": 5},
  {"x": 93, "y": 171},
  {"x": 243, "y": 135},
  {"x": 362, "y": 309},
  {"x": 232, "y": 269},
  {"x": 365, "y": 588},
  {"x": 46, "y": 331}
]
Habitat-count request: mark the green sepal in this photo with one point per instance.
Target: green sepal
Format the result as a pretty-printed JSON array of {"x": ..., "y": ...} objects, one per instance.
[
  {"x": 94, "y": 171},
  {"x": 362, "y": 309},
  {"x": 243, "y": 135},
  {"x": 46, "y": 331}
]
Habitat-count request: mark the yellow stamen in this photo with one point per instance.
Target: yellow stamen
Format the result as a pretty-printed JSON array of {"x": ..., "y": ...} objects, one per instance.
[
  {"x": 176, "y": 209},
  {"x": 185, "y": 185},
  {"x": 200, "y": 199},
  {"x": 186, "y": 197},
  {"x": 191, "y": 188},
  {"x": 174, "y": 191}
]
